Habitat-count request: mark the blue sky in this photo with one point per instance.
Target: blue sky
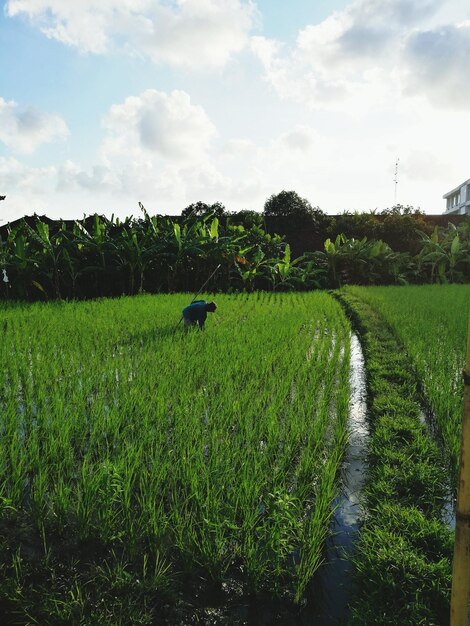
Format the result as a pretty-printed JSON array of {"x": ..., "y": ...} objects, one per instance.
[{"x": 106, "y": 103}]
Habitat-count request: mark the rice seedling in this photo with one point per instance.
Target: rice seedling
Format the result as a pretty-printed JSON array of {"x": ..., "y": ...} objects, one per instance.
[
  {"x": 431, "y": 322},
  {"x": 402, "y": 560},
  {"x": 145, "y": 454}
]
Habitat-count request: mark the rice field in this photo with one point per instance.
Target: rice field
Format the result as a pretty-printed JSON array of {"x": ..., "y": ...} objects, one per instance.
[
  {"x": 431, "y": 321},
  {"x": 139, "y": 455},
  {"x": 403, "y": 554}
]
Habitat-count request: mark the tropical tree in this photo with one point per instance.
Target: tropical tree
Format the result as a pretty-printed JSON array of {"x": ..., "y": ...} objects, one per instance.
[
  {"x": 284, "y": 272},
  {"x": 20, "y": 264},
  {"x": 201, "y": 209},
  {"x": 287, "y": 204},
  {"x": 97, "y": 256},
  {"x": 50, "y": 250},
  {"x": 364, "y": 262},
  {"x": 445, "y": 255},
  {"x": 246, "y": 218},
  {"x": 294, "y": 217}
]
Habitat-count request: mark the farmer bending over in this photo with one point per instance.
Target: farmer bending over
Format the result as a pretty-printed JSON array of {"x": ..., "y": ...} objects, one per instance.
[{"x": 196, "y": 313}]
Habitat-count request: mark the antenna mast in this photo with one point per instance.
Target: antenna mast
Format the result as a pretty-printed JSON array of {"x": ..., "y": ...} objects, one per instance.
[{"x": 395, "y": 180}]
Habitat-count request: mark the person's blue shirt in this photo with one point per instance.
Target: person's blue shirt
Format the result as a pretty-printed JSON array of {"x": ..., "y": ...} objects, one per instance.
[{"x": 196, "y": 312}]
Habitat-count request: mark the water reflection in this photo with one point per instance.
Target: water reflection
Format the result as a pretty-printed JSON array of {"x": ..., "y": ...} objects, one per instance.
[{"x": 336, "y": 574}]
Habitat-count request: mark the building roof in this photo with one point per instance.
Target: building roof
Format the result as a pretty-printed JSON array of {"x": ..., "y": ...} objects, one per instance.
[{"x": 451, "y": 193}]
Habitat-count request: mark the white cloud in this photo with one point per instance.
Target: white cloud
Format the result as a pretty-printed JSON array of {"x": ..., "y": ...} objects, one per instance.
[
  {"x": 101, "y": 178},
  {"x": 192, "y": 33},
  {"x": 157, "y": 124},
  {"x": 156, "y": 145},
  {"x": 27, "y": 189},
  {"x": 424, "y": 166},
  {"x": 198, "y": 32},
  {"x": 13, "y": 173},
  {"x": 156, "y": 148},
  {"x": 166, "y": 172},
  {"x": 234, "y": 148},
  {"x": 438, "y": 64},
  {"x": 371, "y": 53},
  {"x": 356, "y": 174},
  {"x": 300, "y": 139},
  {"x": 364, "y": 28},
  {"x": 381, "y": 79},
  {"x": 88, "y": 24},
  {"x": 25, "y": 128}
]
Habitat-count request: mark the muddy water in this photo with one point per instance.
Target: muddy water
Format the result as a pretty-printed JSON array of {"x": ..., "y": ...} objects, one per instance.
[{"x": 336, "y": 573}]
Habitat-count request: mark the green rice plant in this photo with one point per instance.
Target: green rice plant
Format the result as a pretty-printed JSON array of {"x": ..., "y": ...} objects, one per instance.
[
  {"x": 402, "y": 558},
  {"x": 125, "y": 438},
  {"x": 431, "y": 323}
]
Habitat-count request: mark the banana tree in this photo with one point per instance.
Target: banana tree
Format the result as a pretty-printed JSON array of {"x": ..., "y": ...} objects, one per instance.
[
  {"x": 98, "y": 249},
  {"x": 313, "y": 271},
  {"x": 284, "y": 273},
  {"x": 250, "y": 267},
  {"x": 138, "y": 247},
  {"x": 50, "y": 251},
  {"x": 335, "y": 251},
  {"x": 365, "y": 262},
  {"x": 458, "y": 253},
  {"x": 4, "y": 267},
  {"x": 390, "y": 267},
  {"x": 442, "y": 253},
  {"x": 74, "y": 257},
  {"x": 21, "y": 265},
  {"x": 354, "y": 260},
  {"x": 182, "y": 252}
]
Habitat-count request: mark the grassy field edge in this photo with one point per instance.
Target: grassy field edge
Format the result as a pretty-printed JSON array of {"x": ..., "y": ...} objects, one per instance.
[{"x": 403, "y": 557}]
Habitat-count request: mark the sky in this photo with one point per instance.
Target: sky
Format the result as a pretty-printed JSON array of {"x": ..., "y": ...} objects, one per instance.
[{"x": 355, "y": 105}]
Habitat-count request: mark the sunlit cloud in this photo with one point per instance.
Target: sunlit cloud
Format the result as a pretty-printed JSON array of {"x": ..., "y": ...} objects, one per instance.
[
  {"x": 24, "y": 128},
  {"x": 438, "y": 62},
  {"x": 368, "y": 53},
  {"x": 335, "y": 107},
  {"x": 162, "y": 31}
]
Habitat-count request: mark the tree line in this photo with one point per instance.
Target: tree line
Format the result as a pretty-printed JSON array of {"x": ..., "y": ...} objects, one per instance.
[{"x": 291, "y": 245}]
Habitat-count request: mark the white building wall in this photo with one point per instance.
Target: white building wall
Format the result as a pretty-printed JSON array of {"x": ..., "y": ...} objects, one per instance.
[{"x": 458, "y": 200}]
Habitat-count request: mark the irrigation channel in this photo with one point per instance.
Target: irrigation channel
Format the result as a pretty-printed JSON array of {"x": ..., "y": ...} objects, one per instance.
[{"x": 336, "y": 573}]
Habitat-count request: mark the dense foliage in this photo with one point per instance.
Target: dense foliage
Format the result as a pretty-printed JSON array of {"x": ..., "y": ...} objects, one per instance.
[
  {"x": 96, "y": 256},
  {"x": 101, "y": 257}
]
